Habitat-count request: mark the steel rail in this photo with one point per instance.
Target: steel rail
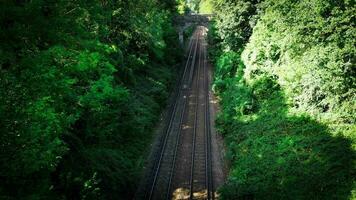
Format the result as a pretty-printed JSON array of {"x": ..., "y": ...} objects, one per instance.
[
  {"x": 206, "y": 137},
  {"x": 180, "y": 129},
  {"x": 168, "y": 195},
  {"x": 209, "y": 175},
  {"x": 169, "y": 127},
  {"x": 191, "y": 188}
]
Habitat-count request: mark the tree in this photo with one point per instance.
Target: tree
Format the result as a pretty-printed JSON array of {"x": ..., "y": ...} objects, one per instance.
[{"x": 83, "y": 84}]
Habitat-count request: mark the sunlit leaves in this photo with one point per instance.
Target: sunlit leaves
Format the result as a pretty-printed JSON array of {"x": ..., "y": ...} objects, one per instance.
[
  {"x": 305, "y": 53},
  {"x": 79, "y": 75},
  {"x": 289, "y": 124}
]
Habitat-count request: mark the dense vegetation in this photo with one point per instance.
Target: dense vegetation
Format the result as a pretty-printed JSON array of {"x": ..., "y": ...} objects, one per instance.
[
  {"x": 82, "y": 84},
  {"x": 206, "y": 7},
  {"x": 286, "y": 78},
  {"x": 193, "y": 5},
  {"x": 199, "y": 6}
]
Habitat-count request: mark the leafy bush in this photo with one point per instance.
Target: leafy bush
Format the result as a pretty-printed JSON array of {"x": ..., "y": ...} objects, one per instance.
[
  {"x": 311, "y": 56},
  {"x": 206, "y": 7},
  {"x": 234, "y": 21},
  {"x": 83, "y": 83},
  {"x": 288, "y": 99},
  {"x": 275, "y": 154}
]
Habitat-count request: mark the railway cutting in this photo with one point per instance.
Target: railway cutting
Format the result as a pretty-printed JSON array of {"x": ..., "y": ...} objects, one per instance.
[{"x": 186, "y": 160}]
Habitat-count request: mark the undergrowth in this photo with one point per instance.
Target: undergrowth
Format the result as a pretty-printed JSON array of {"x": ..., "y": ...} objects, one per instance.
[{"x": 288, "y": 133}]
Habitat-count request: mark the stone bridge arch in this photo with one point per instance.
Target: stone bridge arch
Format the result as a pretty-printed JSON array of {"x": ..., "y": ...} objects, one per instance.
[{"x": 182, "y": 22}]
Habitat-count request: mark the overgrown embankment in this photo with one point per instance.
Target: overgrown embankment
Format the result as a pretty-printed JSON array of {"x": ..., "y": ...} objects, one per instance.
[
  {"x": 82, "y": 85},
  {"x": 285, "y": 75}
]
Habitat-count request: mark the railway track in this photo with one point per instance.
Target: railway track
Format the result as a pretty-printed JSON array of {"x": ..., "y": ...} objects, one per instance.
[
  {"x": 183, "y": 165},
  {"x": 208, "y": 161},
  {"x": 201, "y": 179}
]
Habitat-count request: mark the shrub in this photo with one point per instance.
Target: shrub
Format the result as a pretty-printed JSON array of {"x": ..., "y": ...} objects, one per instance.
[{"x": 288, "y": 100}]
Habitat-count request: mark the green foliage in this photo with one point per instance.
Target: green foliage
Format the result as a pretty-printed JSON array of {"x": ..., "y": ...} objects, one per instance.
[
  {"x": 182, "y": 6},
  {"x": 273, "y": 153},
  {"x": 193, "y": 5},
  {"x": 83, "y": 83},
  {"x": 234, "y": 21},
  {"x": 206, "y": 7},
  {"x": 288, "y": 96},
  {"x": 312, "y": 57},
  {"x": 188, "y": 32}
]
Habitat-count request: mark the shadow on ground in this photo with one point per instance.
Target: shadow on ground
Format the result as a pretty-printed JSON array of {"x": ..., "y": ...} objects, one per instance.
[{"x": 276, "y": 155}]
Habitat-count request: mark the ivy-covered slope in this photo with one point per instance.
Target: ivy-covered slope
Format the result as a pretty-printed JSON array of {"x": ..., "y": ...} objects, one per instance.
[
  {"x": 285, "y": 75},
  {"x": 82, "y": 84}
]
